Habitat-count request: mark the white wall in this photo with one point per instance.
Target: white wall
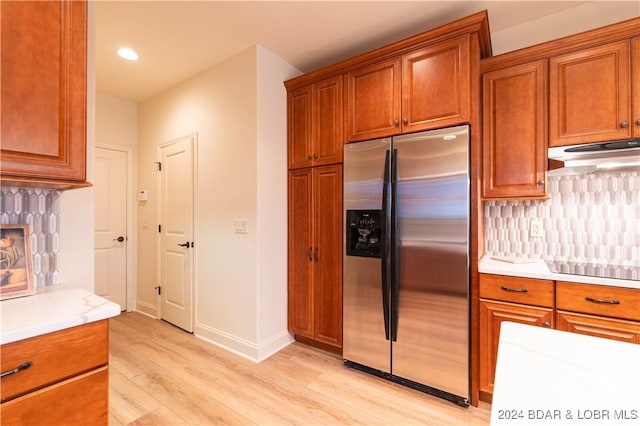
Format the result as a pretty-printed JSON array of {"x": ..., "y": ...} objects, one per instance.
[
  {"x": 221, "y": 106},
  {"x": 272, "y": 201},
  {"x": 76, "y": 207},
  {"x": 578, "y": 19}
]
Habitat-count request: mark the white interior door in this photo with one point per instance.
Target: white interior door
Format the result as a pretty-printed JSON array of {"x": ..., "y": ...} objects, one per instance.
[
  {"x": 176, "y": 232},
  {"x": 110, "y": 187}
]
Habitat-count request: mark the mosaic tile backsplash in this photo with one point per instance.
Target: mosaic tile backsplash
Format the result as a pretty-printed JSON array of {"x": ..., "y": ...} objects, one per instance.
[
  {"x": 40, "y": 209},
  {"x": 592, "y": 218}
]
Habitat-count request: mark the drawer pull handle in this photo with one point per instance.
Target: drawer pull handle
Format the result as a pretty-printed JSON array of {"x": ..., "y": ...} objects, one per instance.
[
  {"x": 514, "y": 290},
  {"x": 606, "y": 301},
  {"x": 19, "y": 368}
]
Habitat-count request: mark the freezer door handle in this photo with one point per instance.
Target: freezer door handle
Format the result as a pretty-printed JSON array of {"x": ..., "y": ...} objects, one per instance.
[
  {"x": 394, "y": 256},
  {"x": 384, "y": 261}
]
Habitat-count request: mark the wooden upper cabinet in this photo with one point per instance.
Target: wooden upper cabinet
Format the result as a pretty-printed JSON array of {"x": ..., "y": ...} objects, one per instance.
[
  {"x": 589, "y": 97},
  {"x": 514, "y": 107},
  {"x": 435, "y": 86},
  {"x": 315, "y": 124},
  {"x": 423, "y": 89},
  {"x": 373, "y": 100},
  {"x": 43, "y": 96}
]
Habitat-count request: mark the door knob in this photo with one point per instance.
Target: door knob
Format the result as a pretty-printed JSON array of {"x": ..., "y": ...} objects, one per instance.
[
  {"x": 186, "y": 245},
  {"x": 119, "y": 239}
]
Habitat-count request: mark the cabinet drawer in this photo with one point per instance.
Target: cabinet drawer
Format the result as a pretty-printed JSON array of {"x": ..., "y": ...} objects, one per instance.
[
  {"x": 608, "y": 328},
  {"x": 528, "y": 291},
  {"x": 55, "y": 356},
  {"x": 616, "y": 302},
  {"x": 82, "y": 400}
]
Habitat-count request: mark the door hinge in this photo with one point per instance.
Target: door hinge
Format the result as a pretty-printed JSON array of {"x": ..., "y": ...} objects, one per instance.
[
  {"x": 159, "y": 165},
  {"x": 159, "y": 228},
  {"x": 158, "y": 289}
]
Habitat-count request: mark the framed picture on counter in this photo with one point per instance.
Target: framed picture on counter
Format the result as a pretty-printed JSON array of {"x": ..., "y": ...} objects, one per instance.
[{"x": 16, "y": 272}]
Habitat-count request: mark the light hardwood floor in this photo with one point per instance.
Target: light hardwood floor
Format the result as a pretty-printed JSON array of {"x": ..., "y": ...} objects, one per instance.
[{"x": 160, "y": 375}]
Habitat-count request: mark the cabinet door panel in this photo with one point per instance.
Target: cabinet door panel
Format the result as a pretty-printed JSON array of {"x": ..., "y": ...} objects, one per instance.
[
  {"x": 515, "y": 132},
  {"x": 300, "y": 254},
  {"x": 435, "y": 86},
  {"x": 328, "y": 117},
  {"x": 328, "y": 258},
  {"x": 492, "y": 314},
  {"x": 589, "y": 95},
  {"x": 55, "y": 356},
  {"x": 635, "y": 86},
  {"x": 81, "y": 401},
  {"x": 608, "y": 328},
  {"x": 43, "y": 101},
  {"x": 299, "y": 110},
  {"x": 373, "y": 101}
]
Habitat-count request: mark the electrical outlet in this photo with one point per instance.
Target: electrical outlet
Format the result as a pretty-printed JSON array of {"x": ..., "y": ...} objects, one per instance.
[{"x": 536, "y": 230}]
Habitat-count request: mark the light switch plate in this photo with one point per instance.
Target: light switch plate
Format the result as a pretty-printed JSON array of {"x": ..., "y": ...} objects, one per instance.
[{"x": 241, "y": 226}]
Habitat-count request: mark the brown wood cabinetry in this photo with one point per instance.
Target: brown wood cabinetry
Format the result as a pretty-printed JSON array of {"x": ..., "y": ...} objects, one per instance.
[
  {"x": 601, "y": 311},
  {"x": 635, "y": 86},
  {"x": 422, "y": 89},
  {"x": 315, "y": 254},
  {"x": 502, "y": 298},
  {"x": 315, "y": 124},
  {"x": 596, "y": 310},
  {"x": 590, "y": 95},
  {"x": 43, "y": 100},
  {"x": 514, "y": 105},
  {"x": 67, "y": 383}
]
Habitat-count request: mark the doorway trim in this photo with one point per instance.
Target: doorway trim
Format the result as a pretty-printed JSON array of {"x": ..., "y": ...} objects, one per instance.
[{"x": 132, "y": 236}]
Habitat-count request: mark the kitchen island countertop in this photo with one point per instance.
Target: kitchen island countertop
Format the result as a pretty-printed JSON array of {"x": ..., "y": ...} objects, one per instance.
[
  {"x": 51, "y": 309},
  {"x": 540, "y": 270}
]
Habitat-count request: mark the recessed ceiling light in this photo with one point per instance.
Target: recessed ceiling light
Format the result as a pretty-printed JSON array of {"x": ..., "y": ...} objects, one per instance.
[{"x": 128, "y": 54}]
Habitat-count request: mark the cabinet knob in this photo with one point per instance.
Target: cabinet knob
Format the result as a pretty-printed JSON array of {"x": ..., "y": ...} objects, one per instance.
[
  {"x": 309, "y": 157},
  {"x": 624, "y": 124},
  {"x": 396, "y": 123},
  {"x": 546, "y": 324},
  {"x": 540, "y": 183},
  {"x": 315, "y": 156},
  {"x": 638, "y": 122},
  {"x": 405, "y": 121}
]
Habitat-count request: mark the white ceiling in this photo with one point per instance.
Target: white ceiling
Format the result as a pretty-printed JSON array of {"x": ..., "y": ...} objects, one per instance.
[{"x": 178, "y": 39}]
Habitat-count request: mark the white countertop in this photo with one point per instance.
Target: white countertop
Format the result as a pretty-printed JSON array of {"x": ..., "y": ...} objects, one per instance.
[
  {"x": 552, "y": 377},
  {"x": 51, "y": 309},
  {"x": 540, "y": 270}
]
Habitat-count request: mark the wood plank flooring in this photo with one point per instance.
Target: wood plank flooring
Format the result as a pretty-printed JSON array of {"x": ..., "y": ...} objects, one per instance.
[{"x": 160, "y": 375}]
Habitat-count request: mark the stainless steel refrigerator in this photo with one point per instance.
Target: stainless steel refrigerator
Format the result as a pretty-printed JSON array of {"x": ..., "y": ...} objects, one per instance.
[{"x": 406, "y": 260}]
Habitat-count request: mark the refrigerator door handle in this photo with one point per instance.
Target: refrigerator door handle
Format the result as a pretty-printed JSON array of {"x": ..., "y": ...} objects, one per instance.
[
  {"x": 394, "y": 249},
  {"x": 384, "y": 260}
]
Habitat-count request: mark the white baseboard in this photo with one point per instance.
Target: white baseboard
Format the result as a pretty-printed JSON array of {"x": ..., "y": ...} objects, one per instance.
[{"x": 244, "y": 348}]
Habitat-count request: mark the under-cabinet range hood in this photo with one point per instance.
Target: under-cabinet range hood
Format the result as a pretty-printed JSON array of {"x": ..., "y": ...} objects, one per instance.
[{"x": 591, "y": 157}]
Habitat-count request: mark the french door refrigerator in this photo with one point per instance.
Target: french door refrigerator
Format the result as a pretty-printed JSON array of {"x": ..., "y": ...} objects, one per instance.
[{"x": 406, "y": 260}]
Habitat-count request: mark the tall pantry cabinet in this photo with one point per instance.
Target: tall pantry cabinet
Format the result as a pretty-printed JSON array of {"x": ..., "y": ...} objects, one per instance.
[{"x": 315, "y": 213}]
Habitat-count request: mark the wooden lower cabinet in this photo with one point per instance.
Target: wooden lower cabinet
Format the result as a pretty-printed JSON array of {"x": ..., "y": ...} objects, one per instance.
[
  {"x": 81, "y": 400},
  {"x": 315, "y": 256},
  {"x": 492, "y": 314},
  {"x": 597, "y": 326},
  {"x": 67, "y": 382},
  {"x": 595, "y": 310}
]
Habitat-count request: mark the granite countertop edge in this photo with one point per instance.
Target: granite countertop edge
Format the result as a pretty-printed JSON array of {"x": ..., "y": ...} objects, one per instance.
[
  {"x": 51, "y": 309},
  {"x": 539, "y": 270}
]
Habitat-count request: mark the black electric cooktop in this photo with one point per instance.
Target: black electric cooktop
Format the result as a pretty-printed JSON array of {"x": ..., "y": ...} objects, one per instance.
[{"x": 595, "y": 270}]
